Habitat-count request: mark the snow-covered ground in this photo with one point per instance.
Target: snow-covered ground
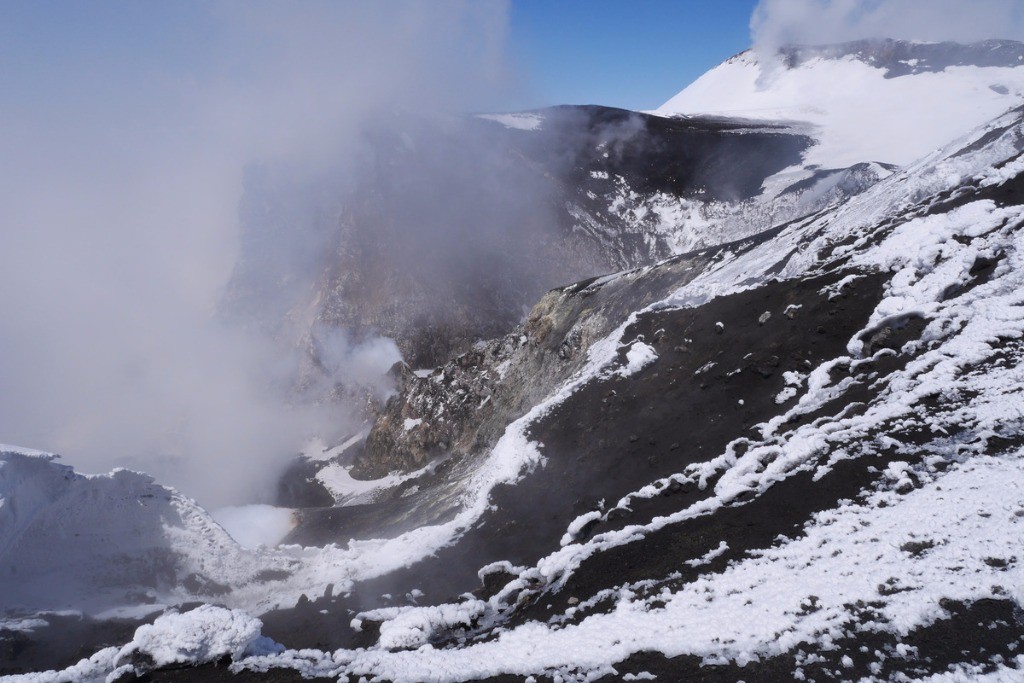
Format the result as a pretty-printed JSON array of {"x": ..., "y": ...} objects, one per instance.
[
  {"x": 967, "y": 512},
  {"x": 95, "y": 544},
  {"x": 953, "y": 496}
]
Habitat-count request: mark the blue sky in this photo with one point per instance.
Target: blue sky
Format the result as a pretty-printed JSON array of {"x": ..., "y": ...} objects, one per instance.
[
  {"x": 634, "y": 55},
  {"x": 626, "y": 53}
]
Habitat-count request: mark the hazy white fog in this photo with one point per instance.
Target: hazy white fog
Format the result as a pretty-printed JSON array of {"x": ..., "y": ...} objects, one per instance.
[{"x": 124, "y": 145}]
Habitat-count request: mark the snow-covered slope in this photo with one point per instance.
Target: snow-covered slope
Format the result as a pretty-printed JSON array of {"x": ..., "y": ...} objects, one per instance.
[
  {"x": 797, "y": 453},
  {"x": 884, "y": 101}
]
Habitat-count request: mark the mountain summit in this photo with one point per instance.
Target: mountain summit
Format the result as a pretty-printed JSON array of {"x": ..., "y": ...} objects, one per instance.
[{"x": 889, "y": 101}]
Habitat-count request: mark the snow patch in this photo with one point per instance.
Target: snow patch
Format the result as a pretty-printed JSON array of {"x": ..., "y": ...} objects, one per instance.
[
  {"x": 516, "y": 121},
  {"x": 638, "y": 357},
  {"x": 205, "y": 634}
]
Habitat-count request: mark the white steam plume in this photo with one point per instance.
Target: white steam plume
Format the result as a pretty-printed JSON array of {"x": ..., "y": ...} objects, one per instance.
[{"x": 118, "y": 206}]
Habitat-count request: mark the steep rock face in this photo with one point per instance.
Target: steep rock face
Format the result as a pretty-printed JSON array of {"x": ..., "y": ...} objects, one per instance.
[
  {"x": 446, "y": 232},
  {"x": 425, "y": 420},
  {"x": 464, "y": 406}
]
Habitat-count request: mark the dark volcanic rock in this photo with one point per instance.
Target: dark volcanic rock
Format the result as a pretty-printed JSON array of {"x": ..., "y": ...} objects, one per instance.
[
  {"x": 451, "y": 228},
  {"x": 299, "y": 488},
  {"x": 465, "y": 405}
]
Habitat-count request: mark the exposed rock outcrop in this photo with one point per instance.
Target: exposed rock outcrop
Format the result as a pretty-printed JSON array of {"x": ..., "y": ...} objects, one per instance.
[{"x": 451, "y": 229}]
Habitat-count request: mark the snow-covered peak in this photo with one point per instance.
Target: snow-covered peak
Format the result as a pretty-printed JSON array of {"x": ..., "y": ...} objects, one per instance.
[{"x": 882, "y": 100}]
